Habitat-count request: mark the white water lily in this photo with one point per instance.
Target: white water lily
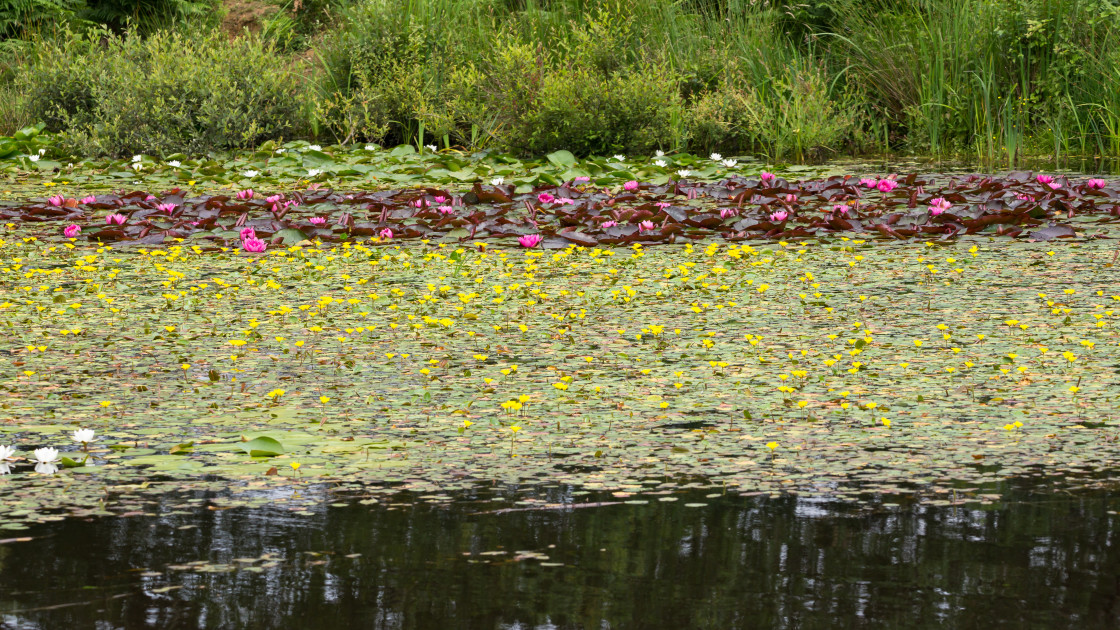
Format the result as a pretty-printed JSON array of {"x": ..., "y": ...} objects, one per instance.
[
  {"x": 45, "y": 468},
  {"x": 431, "y": 147},
  {"x": 137, "y": 158},
  {"x": 315, "y": 147},
  {"x": 314, "y": 172},
  {"x": 46, "y": 455},
  {"x": 174, "y": 163},
  {"x": 684, "y": 172},
  {"x": 7, "y": 453},
  {"x": 716, "y": 157},
  {"x": 251, "y": 174},
  {"x": 136, "y": 166},
  {"x": 5, "y": 468},
  {"x": 33, "y": 158},
  {"x": 280, "y": 150},
  {"x": 497, "y": 181},
  {"x": 371, "y": 147},
  {"x": 659, "y": 153},
  {"x": 84, "y": 436},
  {"x": 730, "y": 163},
  {"x": 620, "y": 158},
  {"x": 661, "y": 163}
]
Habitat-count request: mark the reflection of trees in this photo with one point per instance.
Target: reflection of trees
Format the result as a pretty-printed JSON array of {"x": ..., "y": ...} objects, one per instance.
[{"x": 737, "y": 563}]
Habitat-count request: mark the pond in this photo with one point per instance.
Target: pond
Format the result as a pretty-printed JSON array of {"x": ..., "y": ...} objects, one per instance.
[{"x": 533, "y": 558}]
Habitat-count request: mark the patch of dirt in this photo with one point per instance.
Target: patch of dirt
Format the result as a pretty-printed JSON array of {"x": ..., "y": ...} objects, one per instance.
[{"x": 245, "y": 14}]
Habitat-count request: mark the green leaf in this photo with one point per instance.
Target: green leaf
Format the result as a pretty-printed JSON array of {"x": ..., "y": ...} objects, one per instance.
[
  {"x": 562, "y": 158},
  {"x": 263, "y": 446}
]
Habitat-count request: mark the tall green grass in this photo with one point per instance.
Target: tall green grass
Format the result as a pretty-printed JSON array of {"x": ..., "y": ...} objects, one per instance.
[{"x": 995, "y": 80}]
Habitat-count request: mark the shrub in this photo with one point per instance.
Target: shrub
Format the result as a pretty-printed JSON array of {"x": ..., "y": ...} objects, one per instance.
[{"x": 169, "y": 93}]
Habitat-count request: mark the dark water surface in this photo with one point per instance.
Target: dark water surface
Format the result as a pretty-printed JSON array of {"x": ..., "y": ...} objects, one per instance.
[{"x": 1030, "y": 561}]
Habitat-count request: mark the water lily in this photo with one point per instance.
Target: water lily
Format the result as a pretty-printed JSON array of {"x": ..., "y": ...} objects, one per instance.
[
  {"x": 620, "y": 158},
  {"x": 445, "y": 210},
  {"x": 645, "y": 226},
  {"x": 497, "y": 181},
  {"x": 166, "y": 207},
  {"x": 174, "y": 164},
  {"x": 715, "y": 157},
  {"x": 886, "y": 185},
  {"x": 729, "y": 163},
  {"x": 254, "y": 245},
  {"x": 684, "y": 172},
  {"x": 314, "y": 172},
  {"x": 530, "y": 240},
  {"x": 84, "y": 436},
  {"x": 728, "y": 212},
  {"x": 659, "y": 153},
  {"x": 34, "y": 158},
  {"x": 661, "y": 163},
  {"x": 72, "y": 230},
  {"x": 431, "y": 147},
  {"x": 89, "y": 199},
  {"x": 938, "y": 205},
  {"x": 315, "y": 147},
  {"x": 317, "y": 220},
  {"x": 56, "y": 200},
  {"x": 630, "y": 186},
  {"x": 371, "y": 147},
  {"x": 118, "y": 219},
  {"x": 251, "y": 174},
  {"x": 248, "y": 233},
  {"x": 1095, "y": 183},
  {"x": 545, "y": 198},
  {"x": 766, "y": 177},
  {"x": 779, "y": 216},
  {"x": 46, "y": 460},
  {"x": 137, "y": 158},
  {"x": 609, "y": 224},
  {"x": 386, "y": 234},
  {"x": 245, "y": 195}
]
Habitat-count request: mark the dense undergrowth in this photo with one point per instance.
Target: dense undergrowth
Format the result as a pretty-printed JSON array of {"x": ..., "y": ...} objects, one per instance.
[{"x": 784, "y": 79}]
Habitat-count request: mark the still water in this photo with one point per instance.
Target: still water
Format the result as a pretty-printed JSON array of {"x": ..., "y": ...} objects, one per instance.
[{"x": 515, "y": 559}]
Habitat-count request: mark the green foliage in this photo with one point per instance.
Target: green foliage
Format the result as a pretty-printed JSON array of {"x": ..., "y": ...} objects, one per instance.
[
  {"x": 166, "y": 94},
  {"x": 26, "y": 141}
]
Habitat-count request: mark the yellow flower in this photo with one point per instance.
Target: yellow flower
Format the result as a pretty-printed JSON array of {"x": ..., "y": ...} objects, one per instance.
[
  {"x": 560, "y": 386},
  {"x": 771, "y": 446},
  {"x": 276, "y": 393},
  {"x": 515, "y": 428},
  {"x": 295, "y": 465},
  {"x": 324, "y": 399},
  {"x": 236, "y": 342}
]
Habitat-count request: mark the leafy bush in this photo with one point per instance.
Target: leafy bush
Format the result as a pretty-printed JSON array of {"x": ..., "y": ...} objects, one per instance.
[{"x": 169, "y": 93}]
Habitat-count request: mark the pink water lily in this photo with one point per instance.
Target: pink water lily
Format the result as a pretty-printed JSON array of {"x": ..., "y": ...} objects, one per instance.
[
  {"x": 645, "y": 226},
  {"x": 119, "y": 219},
  {"x": 938, "y": 205},
  {"x": 386, "y": 234},
  {"x": 868, "y": 182},
  {"x": 72, "y": 230},
  {"x": 1095, "y": 183},
  {"x": 609, "y": 224},
  {"x": 317, "y": 220},
  {"x": 790, "y": 198},
  {"x": 565, "y": 200},
  {"x": 545, "y": 198},
  {"x": 840, "y": 208},
  {"x": 446, "y": 210},
  {"x": 779, "y": 216},
  {"x": 1044, "y": 179},
  {"x": 630, "y": 186},
  {"x": 766, "y": 177},
  {"x": 248, "y": 233},
  {"x": 90, "y": 199},
  {"x": 662, "y": 204},
  {"x": 582, "y": 179},
  {"x": 274, "y": 199},
  {"x": 886, "y": 185},
  {"x": 530, "y": 240},
  {"x": 254, "y": 245},
  {"x": 56, "y": 200},
  {"x": 246, "y": 194},
  {"x": 728, "y": 212},
  {"x": 439, "y": 199},
  {"x": 167, "y": 207}
]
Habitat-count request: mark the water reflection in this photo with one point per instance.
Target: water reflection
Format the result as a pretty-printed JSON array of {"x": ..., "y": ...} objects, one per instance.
[{"x": 736, "y": 562}]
